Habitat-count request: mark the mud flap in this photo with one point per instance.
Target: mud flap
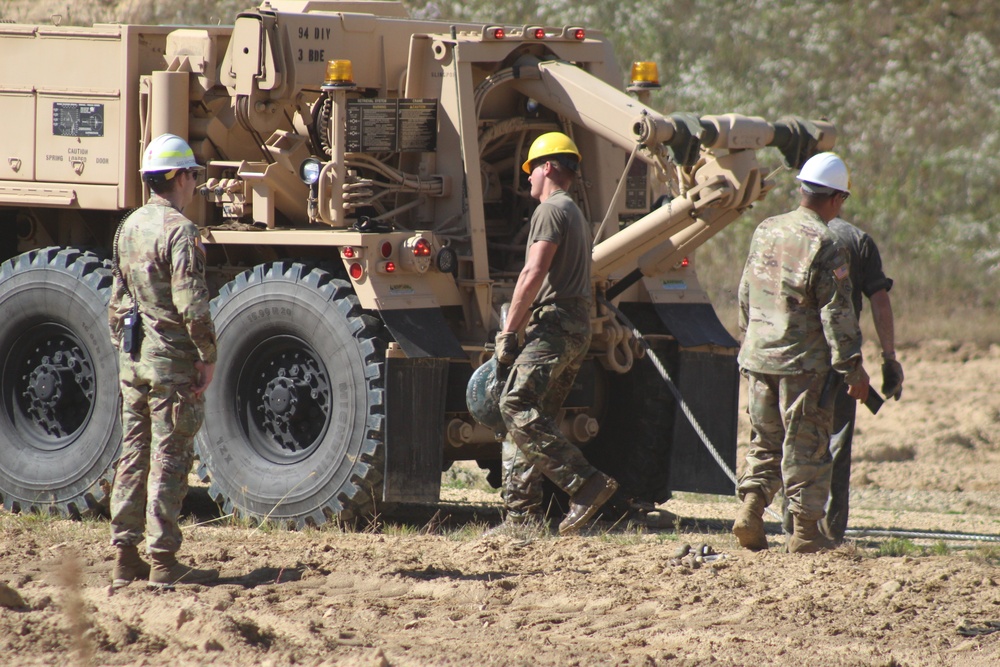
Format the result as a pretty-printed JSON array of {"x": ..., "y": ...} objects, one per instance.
[
  {"x": 423, "y": 332},
  {"x": 708, "y": 378},
  {"x": 709, "y": 381},
  {"x": 694, "y": 324},
  {"x": 414, "y": 434}
]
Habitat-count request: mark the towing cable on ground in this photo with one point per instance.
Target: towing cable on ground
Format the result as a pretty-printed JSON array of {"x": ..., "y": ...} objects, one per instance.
[{"x": 853, "y": 532}]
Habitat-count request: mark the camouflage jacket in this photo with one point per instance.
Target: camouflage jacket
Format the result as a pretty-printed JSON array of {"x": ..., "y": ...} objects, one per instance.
[
  {"x": 162, "y": 262},
  {"x": 795, "y": 300}
]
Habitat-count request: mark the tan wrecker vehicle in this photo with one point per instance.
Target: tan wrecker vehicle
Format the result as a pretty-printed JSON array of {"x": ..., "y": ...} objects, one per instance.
[{"x": 365, "y": 218}]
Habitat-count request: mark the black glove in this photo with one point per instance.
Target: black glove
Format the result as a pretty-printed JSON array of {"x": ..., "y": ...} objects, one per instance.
[
  {"x": 892, "y": 379},
  {"x": 506, "y": 347}
]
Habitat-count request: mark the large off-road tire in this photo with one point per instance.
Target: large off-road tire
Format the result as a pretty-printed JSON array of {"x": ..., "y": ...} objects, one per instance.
[
  {"x": 294, "y": 416},
  {"x": 60, "y": 431}
]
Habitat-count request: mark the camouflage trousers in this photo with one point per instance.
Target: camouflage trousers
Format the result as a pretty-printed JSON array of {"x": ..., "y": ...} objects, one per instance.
[
  {"x": 790, "y": 442},
  {"x": 556, "y": 340},
  {"x": 841, "y": 439},
  {"x": 160, "y": 417}
]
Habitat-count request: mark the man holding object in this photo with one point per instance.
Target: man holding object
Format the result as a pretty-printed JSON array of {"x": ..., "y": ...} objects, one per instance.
[{"x": 553, "y": 296}]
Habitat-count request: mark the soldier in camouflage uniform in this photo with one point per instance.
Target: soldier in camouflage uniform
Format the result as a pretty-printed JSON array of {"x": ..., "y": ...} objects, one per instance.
[
  {"x": 798, "y": 323},
  {"x": 160, "y": 267},
  {"x": 553, "y": 296}
]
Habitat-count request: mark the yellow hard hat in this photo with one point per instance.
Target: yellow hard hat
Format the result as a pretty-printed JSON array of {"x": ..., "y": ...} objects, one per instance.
[{"x": 550, "y": 143}]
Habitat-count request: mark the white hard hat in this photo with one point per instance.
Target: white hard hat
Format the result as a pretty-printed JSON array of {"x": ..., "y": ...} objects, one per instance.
[
  {"x": 827, "y": 171},
  {"x": 166, "y": 153}
]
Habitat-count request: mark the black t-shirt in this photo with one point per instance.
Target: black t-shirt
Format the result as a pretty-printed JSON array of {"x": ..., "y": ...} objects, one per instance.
[{"x": 866, "y": 262}]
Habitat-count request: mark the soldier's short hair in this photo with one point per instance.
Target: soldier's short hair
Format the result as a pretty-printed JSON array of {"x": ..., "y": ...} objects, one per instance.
[
  {"x": 162, "y": 182},
  {"x": 564, "y": 165},
  {"x": 817, "y": 197}
]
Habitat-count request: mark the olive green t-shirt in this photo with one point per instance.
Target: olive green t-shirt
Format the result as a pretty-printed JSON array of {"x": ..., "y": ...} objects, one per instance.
[{"x": 559, "y": 220}]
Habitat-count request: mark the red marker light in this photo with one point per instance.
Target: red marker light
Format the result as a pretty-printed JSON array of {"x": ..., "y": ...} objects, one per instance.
[
  {"x": 685, "y": 262},
  {"x": 389, "y": 267},
  {"x": 539, "y": 33},
  {"x": 386, "y": 249},
  {"x": 356, "y": 271},
  {"x": 422, "y": 248},
  {"x": 499, "y": 33},
  {"x": 579, "y": 34},
  {"x": 348, "y": 252}
]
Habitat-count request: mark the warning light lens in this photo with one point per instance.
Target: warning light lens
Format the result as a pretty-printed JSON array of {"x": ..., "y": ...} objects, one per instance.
[
  {"x": 386, "y": 249},
  {"x": 339, "y": 72},
  {"x": 645, "y": 73},
  {"x": 499, "y": 33},
  {"x": 309, "y": 170},
  {"x": 538, "y": 33},
  {"x": 356, "y": 271},
  {"x": 685, "y": 263},
  {"x": 579, "y": 34},
  {"x": 348, "y": 252},
  {"x": 389, "y": 267},
  {"x": 422, "y": 248}
]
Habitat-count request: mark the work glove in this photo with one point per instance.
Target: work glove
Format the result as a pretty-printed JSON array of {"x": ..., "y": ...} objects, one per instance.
[
  {"x": 892, "y": 379},
  {"x": 506, "y": 347}
]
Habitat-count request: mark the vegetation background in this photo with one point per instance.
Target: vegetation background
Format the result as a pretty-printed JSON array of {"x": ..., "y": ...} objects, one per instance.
[{"x": 912, "y": 85}]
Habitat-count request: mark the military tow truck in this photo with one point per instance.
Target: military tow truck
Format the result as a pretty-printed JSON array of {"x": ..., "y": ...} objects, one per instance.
[{"x": 365, "y": 218}]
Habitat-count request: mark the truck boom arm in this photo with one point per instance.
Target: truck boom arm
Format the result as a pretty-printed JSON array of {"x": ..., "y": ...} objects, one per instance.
[{"x": 719, "y": 149}]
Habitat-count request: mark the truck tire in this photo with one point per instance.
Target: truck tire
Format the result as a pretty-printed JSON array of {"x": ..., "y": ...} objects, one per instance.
[
  {"x": 294, "y": 417},
  {"x": 60, "y": 431}
]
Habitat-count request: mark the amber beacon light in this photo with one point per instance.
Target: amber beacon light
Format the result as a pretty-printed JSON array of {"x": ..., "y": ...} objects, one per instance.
[
  {"x": 645, "y": 74},
  {"x": 339, "y": 73}
]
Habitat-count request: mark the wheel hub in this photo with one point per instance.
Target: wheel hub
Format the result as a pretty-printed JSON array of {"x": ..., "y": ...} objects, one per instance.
[
  {"x": 44, "y": 385},
  {"x": 280, "y": 399},
  {"x": 58, "y": 391},
  {"x": 294, "y": 400}
]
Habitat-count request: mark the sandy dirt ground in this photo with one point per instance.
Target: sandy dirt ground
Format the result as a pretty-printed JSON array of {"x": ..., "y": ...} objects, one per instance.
[{"x": 429, "y": 589}]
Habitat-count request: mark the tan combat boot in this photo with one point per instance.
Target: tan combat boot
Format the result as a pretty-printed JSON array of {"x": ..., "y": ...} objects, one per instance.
[
  {"x": 167, "y": 572},
  {"x": 129, "y": 567},
  {"x": 808, "y": 538},
  {"x": 584, "y": 504},
  {"x": 749, "y": 525}
]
